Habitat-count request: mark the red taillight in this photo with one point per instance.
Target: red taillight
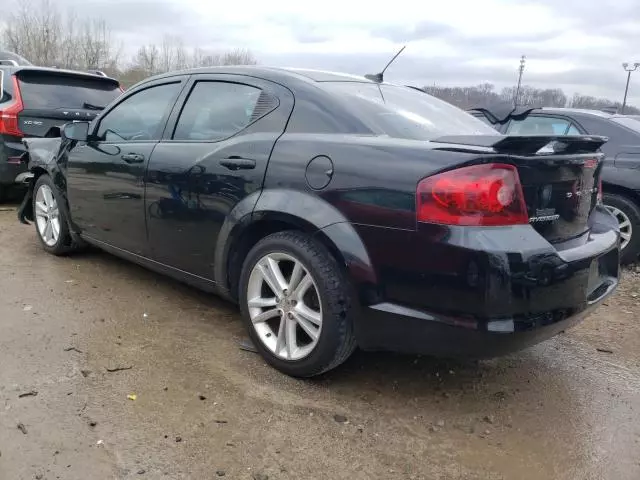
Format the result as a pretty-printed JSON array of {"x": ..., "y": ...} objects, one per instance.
[
  {"x": 488, "y": 194},
  {"x": 9, "y": 114}
]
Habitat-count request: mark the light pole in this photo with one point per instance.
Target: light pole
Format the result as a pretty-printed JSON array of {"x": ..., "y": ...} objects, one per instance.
[
  {"x": 521, "y": 71},
  {"x": 628, "y": 68}
]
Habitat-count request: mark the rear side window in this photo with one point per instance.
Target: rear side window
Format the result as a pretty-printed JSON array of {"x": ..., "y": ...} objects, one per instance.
[
  {"x": 573, "y": 130},
  {"x": 632, "y": 123},
  {"x": 537, "y": 125},
  {"x": 47, "y": 92},
  {"x": 216, "y": 110},
  {"x": 485, "y": 120}
]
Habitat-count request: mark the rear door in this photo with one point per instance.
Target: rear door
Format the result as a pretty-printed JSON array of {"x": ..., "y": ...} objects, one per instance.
[
  {"x": 51, "y": 99},
  {"x": 214, "y": 155}
]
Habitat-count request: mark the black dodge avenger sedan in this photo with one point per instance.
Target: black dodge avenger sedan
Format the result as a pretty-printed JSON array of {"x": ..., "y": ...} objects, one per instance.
[{"x": 337, "y": 211}]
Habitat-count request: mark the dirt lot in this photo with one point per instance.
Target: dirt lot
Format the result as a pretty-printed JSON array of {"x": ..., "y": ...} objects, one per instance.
[{"x": 206, "y": 409}]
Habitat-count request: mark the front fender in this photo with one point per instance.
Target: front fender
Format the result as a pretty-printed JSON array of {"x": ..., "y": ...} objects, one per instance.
[{"x": 42, "y": 156}]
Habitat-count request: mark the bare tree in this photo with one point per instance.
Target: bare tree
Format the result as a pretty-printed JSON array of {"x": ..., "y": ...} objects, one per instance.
[
  {"x": 172, "y": 55},
  {"x": 37, "y": 31},
  {"x": 147, "y": 59},
  {"x": 34, "y": 31},
  {"x": 238, "y": 57},
  {"x": 486, "y": 96}
]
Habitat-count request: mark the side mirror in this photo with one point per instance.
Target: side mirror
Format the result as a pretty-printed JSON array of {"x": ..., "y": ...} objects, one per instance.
[{"x": 76, "y": 131}]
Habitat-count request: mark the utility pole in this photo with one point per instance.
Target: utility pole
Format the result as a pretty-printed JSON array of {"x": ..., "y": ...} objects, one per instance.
[
  {"x": 521, "y": 71},
  {"x": 627, "y": 68}
]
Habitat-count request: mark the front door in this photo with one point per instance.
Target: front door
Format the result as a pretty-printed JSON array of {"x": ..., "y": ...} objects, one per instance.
[
  {"x": 213, "y": 156},
  {"x": 105, "y": 178}
]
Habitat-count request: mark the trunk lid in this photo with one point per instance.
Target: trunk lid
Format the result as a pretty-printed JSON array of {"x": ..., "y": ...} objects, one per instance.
[
  {"x": 51, "y": 99},
  {"x": 559, "y": 175}
]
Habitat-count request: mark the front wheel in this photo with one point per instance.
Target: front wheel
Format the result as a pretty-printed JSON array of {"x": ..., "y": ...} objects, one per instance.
[
  {"x": 51, "y": 221},
  {"x": 296, "y": 303},
  {"x": 627, "y": 214}
]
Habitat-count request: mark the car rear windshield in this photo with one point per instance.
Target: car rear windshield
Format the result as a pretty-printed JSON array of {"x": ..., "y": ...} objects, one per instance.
[
  {"x": 46, "y": 91},
  {"x": 629, "y": 122},
  {"x": 403, "y": 112}
]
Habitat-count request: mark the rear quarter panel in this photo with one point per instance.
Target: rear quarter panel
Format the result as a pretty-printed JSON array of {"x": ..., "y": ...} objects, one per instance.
[{"x": 372, "y": 180}]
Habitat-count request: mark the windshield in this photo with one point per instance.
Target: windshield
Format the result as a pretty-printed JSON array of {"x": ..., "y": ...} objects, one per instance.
[
  {"x": 403, "y": 112},
  {"x": 629, "y": 122}
]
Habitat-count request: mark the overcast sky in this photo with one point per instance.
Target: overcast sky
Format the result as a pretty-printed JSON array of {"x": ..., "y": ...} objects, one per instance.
[{"x": 574, "y": 44}]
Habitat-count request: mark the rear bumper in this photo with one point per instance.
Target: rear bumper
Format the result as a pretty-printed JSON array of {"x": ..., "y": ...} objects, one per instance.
[
  {"x": 392, "y": 327},
  {"x": 11, "y": 173},
  {"x": 507, "y": 301},
  {"x": 11, "y": 167}
]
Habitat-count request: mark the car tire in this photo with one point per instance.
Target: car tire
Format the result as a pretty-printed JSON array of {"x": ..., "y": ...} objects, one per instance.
[
  {"x": 627, "y": 214},
  {"x": 4, "y": 191},
  {"x": 313, "y": 318},
  {"x": 50, "y": 217}
]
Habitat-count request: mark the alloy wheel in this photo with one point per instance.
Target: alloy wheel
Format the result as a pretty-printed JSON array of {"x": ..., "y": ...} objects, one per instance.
[
  {"x": 47, "y": 215},
  {"x": 624, "y": 223},
  {"x": 284, "y": 306}
]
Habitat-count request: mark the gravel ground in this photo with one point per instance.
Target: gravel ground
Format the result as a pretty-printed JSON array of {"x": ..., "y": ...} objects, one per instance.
[{"x": 188, "y": 403}]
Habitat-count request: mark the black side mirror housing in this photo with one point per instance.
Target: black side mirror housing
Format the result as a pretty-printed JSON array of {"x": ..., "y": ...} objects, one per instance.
[{"x": 76, "y": 131}]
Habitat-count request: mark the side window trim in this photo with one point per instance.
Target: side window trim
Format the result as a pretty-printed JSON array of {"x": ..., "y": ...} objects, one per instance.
[
  {"x": 255, "y": 82},
  {"x": 182, "y": 80}
]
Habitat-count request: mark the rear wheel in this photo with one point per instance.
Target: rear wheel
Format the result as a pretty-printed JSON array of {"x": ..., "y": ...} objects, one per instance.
[
  {"x": 627, "y": 214},
  {"x": 50, "y": 220},
  {"x": 296, "y": 303}
]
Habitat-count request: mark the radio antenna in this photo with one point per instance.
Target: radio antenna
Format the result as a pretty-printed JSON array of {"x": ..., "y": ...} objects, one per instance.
[{"x": 379, "y": 77}]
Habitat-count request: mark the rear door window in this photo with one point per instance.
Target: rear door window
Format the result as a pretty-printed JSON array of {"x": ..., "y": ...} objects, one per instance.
[
  {"x": 50, "y": 92},
  {"x": 216, "y": 110}
]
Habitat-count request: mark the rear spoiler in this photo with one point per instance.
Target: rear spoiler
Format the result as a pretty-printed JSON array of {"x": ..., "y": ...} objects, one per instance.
[
  {"x": 527, "y": 145},
  {"x": 501, "y": 115}
]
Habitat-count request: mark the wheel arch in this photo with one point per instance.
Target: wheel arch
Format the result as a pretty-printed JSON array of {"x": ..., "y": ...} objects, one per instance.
[
  {"x": 25, "y": 214},
  {"x": 290, "y": 210}
]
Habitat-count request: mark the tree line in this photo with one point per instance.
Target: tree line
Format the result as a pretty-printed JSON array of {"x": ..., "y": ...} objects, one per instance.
[
  {"x": 486, "y": 95},
  {"x": 38, "y": 31},
  {"x": 41, "y": 33}
]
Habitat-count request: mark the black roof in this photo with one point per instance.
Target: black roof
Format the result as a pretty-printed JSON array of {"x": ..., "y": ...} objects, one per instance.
[{"x": 271, "y": 73}]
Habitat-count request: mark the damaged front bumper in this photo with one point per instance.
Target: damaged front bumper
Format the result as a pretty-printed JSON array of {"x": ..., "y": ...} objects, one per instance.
[{"x": 41, "y": 156}]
